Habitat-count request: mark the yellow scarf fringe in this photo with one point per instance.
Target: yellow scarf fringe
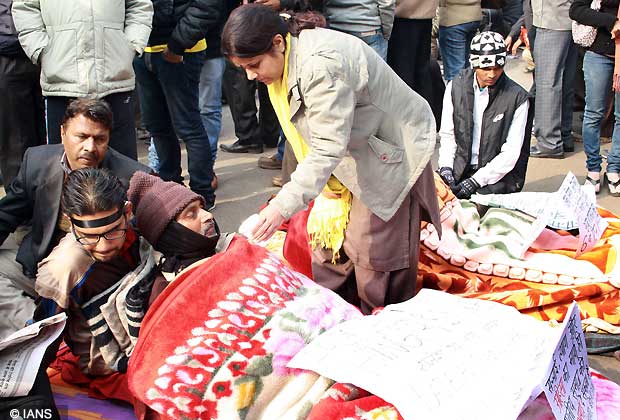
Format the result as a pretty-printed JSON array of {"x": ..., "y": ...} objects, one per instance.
[{"x": 329, "y": 217}]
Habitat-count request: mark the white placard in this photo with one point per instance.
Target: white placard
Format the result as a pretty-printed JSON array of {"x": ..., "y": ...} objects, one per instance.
[
  {"x": 568, "y": 387},
  {"x": 591, "y": 224},
  {"x": 533, "y": 203},
  {"x": 21, "y": 354},
  {"x": 439, "y": 356}
]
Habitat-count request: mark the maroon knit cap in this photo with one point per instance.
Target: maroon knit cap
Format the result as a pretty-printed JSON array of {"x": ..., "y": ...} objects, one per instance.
[{"x": 156, "y": 203}]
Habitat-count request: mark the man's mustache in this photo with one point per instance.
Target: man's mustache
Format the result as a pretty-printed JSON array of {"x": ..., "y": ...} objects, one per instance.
[{"x": 87, "y": 155}]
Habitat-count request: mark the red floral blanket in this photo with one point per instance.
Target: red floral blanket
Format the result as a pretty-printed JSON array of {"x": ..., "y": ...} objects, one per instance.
[{"x": 216, "y": 343}]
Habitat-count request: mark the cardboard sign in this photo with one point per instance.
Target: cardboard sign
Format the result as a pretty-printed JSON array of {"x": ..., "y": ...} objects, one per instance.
[{"x": 568, "y": 387}]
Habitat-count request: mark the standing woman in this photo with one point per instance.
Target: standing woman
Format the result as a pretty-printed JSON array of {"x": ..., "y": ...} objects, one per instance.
[
  {"x": 598, "y": 70},
  {"x": 363, "y": 140}
]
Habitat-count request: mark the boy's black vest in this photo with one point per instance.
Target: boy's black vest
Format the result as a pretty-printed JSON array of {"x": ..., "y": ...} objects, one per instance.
[{"x": 504, "y": 99}]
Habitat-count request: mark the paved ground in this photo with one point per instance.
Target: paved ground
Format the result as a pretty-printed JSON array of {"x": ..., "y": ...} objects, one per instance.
[{"x": 244, "y": 187}]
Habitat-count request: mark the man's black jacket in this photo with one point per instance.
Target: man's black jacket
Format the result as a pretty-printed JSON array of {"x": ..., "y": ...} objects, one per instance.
[
  {"x": 182, "y": 23},
  {"x": 35, "y": 196},
  {"x": 9, "y": 44}
]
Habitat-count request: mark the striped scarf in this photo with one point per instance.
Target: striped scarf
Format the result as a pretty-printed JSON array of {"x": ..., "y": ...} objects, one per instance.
[{"x": 115, "y": 315}]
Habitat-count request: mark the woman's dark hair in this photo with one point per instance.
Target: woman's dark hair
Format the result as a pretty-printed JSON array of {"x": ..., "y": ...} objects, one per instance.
[
  {"x": 91, "y": 190},
  {"x": 96, "y": 110},
  {"x": 250, "y": 28}
]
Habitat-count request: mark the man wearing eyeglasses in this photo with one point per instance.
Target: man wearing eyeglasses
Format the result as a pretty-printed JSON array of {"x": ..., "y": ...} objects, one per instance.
[
  {"x": 34, "y": 196},
  {"x": 100, "y": 250},
  {"x": 104, "y": 234}
]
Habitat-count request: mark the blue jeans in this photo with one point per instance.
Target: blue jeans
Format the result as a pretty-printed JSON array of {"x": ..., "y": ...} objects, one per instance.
[
  {"x": 598, "y": 72},
  {"x": 281, "y": 143},
  {"x": 210, "y": 100},
  {"x": 169, "y": 101},
  {"x": 377, "y": 42},
  {"x": 454, "y": 42}
]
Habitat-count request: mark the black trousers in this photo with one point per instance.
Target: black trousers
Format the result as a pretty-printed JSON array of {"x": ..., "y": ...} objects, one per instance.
[
  {"x": 241, "y": 96},
  {"x": 123, "y": 136},
  {"x": 409, "y": 53},
  {"x": 22, "y": 121}
]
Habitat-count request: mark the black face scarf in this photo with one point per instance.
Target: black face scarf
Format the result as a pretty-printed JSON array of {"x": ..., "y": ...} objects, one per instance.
[{"x": 182, "y": 246}]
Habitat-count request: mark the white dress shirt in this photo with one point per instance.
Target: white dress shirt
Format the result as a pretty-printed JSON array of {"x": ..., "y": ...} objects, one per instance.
[{"x": 505, "y": 161}]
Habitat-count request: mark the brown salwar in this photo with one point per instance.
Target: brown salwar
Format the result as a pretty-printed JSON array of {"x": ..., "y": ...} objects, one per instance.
[{"x": 378, "y": 262}]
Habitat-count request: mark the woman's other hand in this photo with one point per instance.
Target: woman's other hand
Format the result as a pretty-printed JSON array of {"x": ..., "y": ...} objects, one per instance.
[{"x": 274, "y": 4}]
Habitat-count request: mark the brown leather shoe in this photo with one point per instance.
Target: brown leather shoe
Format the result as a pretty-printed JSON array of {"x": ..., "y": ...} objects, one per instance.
[
  {"x": 269, "y": 162},
  {"x": 277, "y": 181}
]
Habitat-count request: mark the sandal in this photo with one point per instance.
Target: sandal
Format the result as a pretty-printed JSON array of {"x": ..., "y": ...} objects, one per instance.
[
  {"x": 596, "y": 183},
  {"x": 614, "y": 187}
]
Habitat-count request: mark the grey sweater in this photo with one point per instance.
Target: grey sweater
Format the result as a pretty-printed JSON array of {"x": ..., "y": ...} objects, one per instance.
[
  {"x": 360, "y": 15},
  {"x": 552, "y": 14},
  {"x": 351, "y": 15}
]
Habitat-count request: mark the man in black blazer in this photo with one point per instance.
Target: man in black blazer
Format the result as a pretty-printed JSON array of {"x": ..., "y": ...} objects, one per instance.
[{"x": 34, "y": 196}]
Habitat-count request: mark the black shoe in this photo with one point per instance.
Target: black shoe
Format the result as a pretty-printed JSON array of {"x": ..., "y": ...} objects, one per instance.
[
  {"x": 237, "y": 147},
  {"x": 569, "y": 149},
  {"x": 537, "y": 153}
]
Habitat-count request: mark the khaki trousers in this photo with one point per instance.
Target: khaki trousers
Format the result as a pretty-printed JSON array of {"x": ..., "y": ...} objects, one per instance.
[{"x": 378, "y": 262}]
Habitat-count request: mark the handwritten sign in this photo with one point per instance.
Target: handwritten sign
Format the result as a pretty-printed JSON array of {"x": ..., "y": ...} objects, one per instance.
[
  {"x": 568, "y": 387},
  {"x": 591, "y": 224},
  {"x": 571, "y": 200},
  {"x": 439, "y": 356}
]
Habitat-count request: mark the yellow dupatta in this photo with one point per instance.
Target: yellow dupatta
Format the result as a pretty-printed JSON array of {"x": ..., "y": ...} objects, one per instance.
[{"x": 330, "y": 215}]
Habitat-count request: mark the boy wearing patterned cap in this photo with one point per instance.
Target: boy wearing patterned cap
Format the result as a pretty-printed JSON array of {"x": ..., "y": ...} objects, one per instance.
[{"x": 484, "y": 123}]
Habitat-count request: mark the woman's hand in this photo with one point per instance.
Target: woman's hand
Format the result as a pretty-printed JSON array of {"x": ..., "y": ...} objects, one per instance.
[
  {"x": 616, "y": 83},
  {"x": 269, "y": 221},
  {"x": 615, "y": 31},
  {"x": 171, "y": 57}
]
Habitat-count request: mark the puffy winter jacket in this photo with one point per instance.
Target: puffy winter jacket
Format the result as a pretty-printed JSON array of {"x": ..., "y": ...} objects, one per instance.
[
  {"x": 84, "y": 47},
  {"x": 182, "y": 23}
]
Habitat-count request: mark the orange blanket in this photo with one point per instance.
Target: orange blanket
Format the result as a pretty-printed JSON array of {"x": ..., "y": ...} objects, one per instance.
[{"x": 556, "y": 277}]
